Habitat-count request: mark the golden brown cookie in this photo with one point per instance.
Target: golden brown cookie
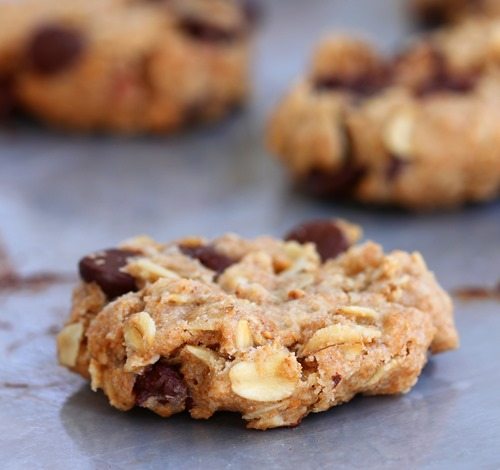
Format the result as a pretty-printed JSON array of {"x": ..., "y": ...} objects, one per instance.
[
  {"x": 273, "y": 329},
  {"x": 420, "y": 130}
]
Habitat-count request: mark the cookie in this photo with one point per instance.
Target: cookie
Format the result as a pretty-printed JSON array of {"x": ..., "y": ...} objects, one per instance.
[
  {"x": 125, "y": 66},
  {"x": 270, "y": 328},
  {"x": 433, "y": 13},
  {"x": 420, "y": 130}
]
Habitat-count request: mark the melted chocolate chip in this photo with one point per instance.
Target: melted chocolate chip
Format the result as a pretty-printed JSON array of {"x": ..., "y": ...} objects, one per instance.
[
  {"x": 162, "y": 382},
  {"x": 209, "y": 257},
  {"x": 54, "y": 48},
  {"x": 394, "y": 168},
  {"x": 103, "y": 268},
  {"x": 329, "y": 239},
  {"x": 201, "y": 30},
  {"x": 7, "y": 101}
]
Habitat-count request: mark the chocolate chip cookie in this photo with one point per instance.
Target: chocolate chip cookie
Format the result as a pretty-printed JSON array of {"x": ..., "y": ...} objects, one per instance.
[
  {"x": 124, "y": 65},
  {"x": 438, "y": 12},
  {"x": 270, "y": 328},
  {"x": 420, "y": 130}
]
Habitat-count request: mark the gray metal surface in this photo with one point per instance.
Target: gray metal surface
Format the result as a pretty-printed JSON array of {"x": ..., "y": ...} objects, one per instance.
[{"x": 61, "y": 196}]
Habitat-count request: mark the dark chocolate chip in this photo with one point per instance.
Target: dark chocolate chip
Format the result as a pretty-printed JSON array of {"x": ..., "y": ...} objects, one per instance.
[
  {"x": 162, "y": 382},
  {"x": 336, "y": 379},
  {"x": 209, "y": 257},
  {"x": 442, "y": 79},
  {"x": 363, "y": 85},
  {"x": 339, "y": 183},
  {"x": 394, "y": 168},
  {"x": 103, "y": 268},
  {"x": 450, "y": 83},
  {"x": 333, "y": 184},
  {"x": 203, "y": 31},
  {"x": 7, "y": 100},
  {"x": 54, "y": 48},
  {"x": 329, "y": 239},
  {"x": 433, "y": 16}
]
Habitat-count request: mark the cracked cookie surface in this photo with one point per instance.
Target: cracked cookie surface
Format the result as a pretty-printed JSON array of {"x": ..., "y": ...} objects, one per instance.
[
  {"x": 124, "y": 65},
  {"x": 269, "y": 328},
  {"x": 420, "y": 130}
]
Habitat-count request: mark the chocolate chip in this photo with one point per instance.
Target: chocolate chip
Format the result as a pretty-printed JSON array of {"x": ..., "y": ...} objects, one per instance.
[
  {"x": 103, "y": 268},
  {"x": 201, "y": 30},
  {"x": 338, "y": 183},
  {"x": 162, "y": 382},
  {"x": 7, "y": 101},
  {"x": 329, "y": 239},
  {"x": 433, "y": 16},
  {"x": 333, "y": 184},
  {"x": 54, "y": 48},
  {"x": 209, "y": 257},
  {"x": 449, "y": 83},
  {"x": 442, "y": 79},
  {"x": 394, "y": 168},
  {"x": 364, "y": 85},
  {"x": 336, "y": 379}
]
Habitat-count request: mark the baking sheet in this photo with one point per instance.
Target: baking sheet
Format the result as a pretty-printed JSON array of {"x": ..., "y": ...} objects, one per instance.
[{"x": 62, "y": 196}]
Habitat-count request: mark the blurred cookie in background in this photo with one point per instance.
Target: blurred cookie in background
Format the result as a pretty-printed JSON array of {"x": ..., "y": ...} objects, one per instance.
[
  {"x": 420, "y": 130},
  {"x": 125, "y": 66}
]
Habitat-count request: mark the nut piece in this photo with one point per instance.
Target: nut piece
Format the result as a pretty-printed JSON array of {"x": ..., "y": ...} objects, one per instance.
[
  {"x": 177, "y": 299},
  {"x": 398, "y": 135},
  {"x": 209, "y": 357},
  {"x": 301, "y": 257},
  {"x": 95, "y": 375},
  {"x": 148, "y": 270},
  {"x": 243, "y": 336},
  {"x": 339, "y": 334},
  {"x": 68, "y": 344},
  {"x": 139, "y": 332},
  {"x": 265, "y": 380},
  {"x": 382, "y": 372},
  {"x": 356, "y": 311}
]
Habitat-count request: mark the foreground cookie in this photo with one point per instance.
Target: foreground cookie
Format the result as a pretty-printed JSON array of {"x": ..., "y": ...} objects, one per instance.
[
  {"x": 421, "y": 130},
  {"x": 269, "y": 328},
  {"x": 128, "y": 66},
  {"x": 439, "y": 12}
]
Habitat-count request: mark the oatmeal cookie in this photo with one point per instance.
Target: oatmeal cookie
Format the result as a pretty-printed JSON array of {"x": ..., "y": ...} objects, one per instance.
[
  {"x": 124, "y": 65},
  {"x": 433, "y": 13},
  {"x": 270, "y": 328},
  {"x": 420, "y": 130}
]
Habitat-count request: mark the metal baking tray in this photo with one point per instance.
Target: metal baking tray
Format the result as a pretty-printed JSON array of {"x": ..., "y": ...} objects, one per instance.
[{"x": 64, "y": 195}]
